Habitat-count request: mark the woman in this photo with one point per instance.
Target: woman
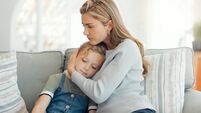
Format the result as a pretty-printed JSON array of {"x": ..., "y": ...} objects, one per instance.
[{"x": 118, "y": 86}]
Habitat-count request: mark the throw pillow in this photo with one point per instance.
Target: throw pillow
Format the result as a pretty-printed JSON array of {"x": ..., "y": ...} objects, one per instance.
[
  {"x": 165, "y": 82},
  {"x": 10, "y": 98}
]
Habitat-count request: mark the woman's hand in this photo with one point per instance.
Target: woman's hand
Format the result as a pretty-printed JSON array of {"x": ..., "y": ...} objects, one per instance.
[{"x": 71, "y": 63}]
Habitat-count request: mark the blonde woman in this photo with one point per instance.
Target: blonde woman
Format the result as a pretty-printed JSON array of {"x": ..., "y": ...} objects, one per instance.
[{"x": 118, "y": 86}]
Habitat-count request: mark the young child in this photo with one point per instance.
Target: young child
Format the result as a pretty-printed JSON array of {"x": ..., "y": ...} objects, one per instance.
[{"x": 61, "y": 95}]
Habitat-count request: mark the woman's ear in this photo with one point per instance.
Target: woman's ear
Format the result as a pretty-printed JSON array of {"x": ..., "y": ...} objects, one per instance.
[{"x": 110, "y": 25}]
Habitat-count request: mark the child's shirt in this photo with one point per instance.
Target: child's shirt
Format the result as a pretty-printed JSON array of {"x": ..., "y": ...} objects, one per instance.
[{"x": 53, "y": 83}]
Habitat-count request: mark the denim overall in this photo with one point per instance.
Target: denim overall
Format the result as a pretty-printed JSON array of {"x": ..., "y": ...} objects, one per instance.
[{"x": 67, "y": 102}]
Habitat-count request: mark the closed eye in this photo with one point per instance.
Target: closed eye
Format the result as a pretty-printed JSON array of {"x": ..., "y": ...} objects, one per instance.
[
  {"x": 89, "y": 25},
  {"x": 95, "y": 68},
  {"x": 84, "y": 60}
]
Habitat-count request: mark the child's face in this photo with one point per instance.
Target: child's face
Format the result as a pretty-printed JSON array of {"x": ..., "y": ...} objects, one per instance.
[{"x": 88, "y": 64}]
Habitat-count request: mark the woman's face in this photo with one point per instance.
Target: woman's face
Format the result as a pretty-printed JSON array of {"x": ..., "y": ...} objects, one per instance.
[
  {"x": 89, "y": 63},
  {"x": 95, "y": 31}
]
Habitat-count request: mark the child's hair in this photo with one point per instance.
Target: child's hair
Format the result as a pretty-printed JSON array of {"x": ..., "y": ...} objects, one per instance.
[
  {"x": 105, "y": 10},
  {"x": 85, "y": 47}
]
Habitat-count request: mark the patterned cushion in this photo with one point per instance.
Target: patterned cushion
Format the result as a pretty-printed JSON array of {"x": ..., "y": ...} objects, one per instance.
[
  {"x": 10, "y": 99},
  {"x": 165, "y": 82}
]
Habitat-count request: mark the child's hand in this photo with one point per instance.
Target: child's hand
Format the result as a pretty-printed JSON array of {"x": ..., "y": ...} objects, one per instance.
[
  {"x": 92, "y": 111},
  {"x": 71, "y": 63}
]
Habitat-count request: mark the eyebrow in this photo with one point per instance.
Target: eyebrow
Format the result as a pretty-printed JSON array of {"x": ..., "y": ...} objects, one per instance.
[{"x": 87, "y": 23}]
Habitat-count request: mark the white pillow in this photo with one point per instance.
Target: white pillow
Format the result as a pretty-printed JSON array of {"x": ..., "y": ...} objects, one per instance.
[
  {"x": 165, "y": 82},
  {"x": 10, "y": 98}
]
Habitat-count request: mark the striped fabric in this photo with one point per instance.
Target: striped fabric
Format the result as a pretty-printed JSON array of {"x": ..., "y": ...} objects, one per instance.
[
  {"x": 165, "y": 82},
  {"x": 10, "y": 98}
]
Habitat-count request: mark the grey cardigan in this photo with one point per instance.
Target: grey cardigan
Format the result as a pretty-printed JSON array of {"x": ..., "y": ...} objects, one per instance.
[{"x": 119, "y": 85}]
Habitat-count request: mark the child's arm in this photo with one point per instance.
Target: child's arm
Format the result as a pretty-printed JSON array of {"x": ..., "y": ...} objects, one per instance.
[{"x": 41, "y": 104}]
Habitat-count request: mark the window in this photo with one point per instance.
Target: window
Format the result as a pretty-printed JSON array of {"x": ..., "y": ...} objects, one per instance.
[
  {"x": 48, "y": 25},
  {"x": 170, "y": 23}
]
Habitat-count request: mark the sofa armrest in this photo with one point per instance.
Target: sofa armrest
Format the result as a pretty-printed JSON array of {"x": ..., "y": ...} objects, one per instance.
[{"x": 192, "y": 101}]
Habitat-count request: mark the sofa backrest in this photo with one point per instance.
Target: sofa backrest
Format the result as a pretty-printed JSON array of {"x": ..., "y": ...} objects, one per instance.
[
  {"x": 189, "y": 55},
  {"x": 33, "y": 69}
]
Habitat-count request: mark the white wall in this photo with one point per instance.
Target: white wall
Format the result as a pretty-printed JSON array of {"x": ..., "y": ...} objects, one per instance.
[
  {"x": 134, "y": 14},
  {"x": 197, "y": 10},
  {"x": 6, "y": 10}
]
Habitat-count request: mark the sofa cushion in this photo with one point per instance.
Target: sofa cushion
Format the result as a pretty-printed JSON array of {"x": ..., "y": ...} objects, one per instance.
[
  {"x": 189, "y": 71},
  {"x": 34, "y": 69},
  {"x": 10, "y": 97},
  {"x": 165, "y": 82}
]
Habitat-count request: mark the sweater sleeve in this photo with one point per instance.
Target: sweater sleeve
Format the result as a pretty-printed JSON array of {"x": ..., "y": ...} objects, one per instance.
[
  {"x": 51, "y": 85},
  {"x": 111, "y": 75}
]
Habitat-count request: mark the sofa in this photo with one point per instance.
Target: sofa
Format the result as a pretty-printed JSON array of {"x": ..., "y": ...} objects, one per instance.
[{"x": 34, "y": 68}]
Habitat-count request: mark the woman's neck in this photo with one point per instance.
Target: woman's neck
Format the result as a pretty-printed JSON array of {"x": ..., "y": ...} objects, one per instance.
[{"x": 109, "y": 44}]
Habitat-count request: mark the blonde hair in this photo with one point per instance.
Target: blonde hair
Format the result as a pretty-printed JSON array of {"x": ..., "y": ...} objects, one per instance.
[
  {"x": 85, "y": 47},
  {"x": 105, "y": 10}
]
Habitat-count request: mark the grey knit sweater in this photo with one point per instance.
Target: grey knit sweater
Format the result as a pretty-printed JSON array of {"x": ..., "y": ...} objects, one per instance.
[{"x": 118, "y": 87}]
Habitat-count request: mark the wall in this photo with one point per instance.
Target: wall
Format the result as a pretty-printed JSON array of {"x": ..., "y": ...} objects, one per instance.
[
  {"x": 197, "y": 10},
  {"x": 6, "y": 10},
  {"x": 134, "y": 14}
]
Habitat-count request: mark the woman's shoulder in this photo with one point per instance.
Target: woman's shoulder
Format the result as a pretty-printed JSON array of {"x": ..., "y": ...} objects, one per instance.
[
  {"x": 127, "y": 44},
  {"x": 126, "y": 47},
  {"x": 129, "y": 48}
]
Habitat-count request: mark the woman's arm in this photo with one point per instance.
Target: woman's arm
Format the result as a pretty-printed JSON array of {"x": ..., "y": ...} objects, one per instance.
[
  {"x": 41, "y": 104},
  {"x": 125, "y": 58}
]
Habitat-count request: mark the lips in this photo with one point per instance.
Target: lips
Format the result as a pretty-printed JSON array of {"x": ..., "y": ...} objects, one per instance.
[{"x": 90, "y": 39}]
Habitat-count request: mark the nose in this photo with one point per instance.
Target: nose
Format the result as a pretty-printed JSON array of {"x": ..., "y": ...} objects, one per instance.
[
  {"x": 87, "y": 67},
  {"x": 85, "y": 31}
]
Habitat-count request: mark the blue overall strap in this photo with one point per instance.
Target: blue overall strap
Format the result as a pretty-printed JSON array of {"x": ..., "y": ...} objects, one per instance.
[{"x": 61, "y": 83}]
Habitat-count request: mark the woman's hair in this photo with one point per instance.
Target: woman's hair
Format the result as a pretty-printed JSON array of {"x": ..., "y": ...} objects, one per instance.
[
  {"x": 105, "y": 10},
  {"x": 85, "y": 47}
]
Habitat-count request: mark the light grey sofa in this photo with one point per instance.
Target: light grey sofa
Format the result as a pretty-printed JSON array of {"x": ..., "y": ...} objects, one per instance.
[{"x": 34, "y": 69}]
